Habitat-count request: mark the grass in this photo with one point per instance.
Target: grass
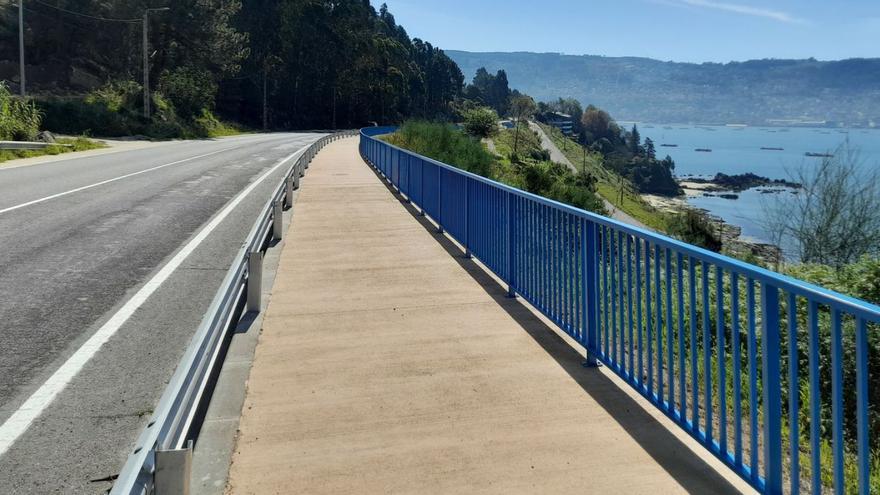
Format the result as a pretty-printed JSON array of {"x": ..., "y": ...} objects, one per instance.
[
  {"x": 609, "y": 184},
  {"x": 77, "y": 144}
]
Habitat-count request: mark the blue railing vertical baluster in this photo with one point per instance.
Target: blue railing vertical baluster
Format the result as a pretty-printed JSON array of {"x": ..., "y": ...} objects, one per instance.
[
  {"x": 649, "y": 321},
  {"x": 629, "y": 307},
  {"x": 573, "y": 251},
  {"x": 590, "y": 298},
  {"x": 753, "y": 380},
  {"x": 682, "y": 369},
  {"x": 720, "y": 344},
  {"x": 511, "y": 237},
  {"x": 467, "y": 218},
  {"x": 793, "y": 399},
  {"x": 695, "y": 377},
  {"x": 546, "y": 266},
  {"x": 605, "y": 320},
  {"x": 670, "y": 331},
  {"x": 772, "y": 389},
  {"x": 439, "y": 200},
  {"x": 658, "y": 289},
  {"x": 837, "y": 400},
  {"x": 862, "y": 439},
  {"x": 707, "y": 354},
  {"x": 621, "y": 301},
  {"x": 737, "y": 371},
  {"x": 815, "y": 405},
  {"x": 640, "y": 368},
  {"x": 555, "y": 240},
  {"x": 613, "y": 297},
  {"x": 565, "y": 273}
]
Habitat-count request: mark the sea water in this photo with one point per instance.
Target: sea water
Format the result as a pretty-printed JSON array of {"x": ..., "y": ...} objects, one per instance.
[{"x": 737, "y": 150}]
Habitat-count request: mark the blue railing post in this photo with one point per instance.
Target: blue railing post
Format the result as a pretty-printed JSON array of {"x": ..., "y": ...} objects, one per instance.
[
  {"x": 467, "y": 218},
  {"x": 511, "y": 266},
  {"x": 439, "y": 200},
  {"x": 772, "y": 389},
  {"x": 421, "y": 188},
  {"x": 591, "y": 296}
]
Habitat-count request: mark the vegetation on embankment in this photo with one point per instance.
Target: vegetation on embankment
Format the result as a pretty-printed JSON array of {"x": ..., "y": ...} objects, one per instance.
[
  {"x": 616, "y": 189},
  {"x": 61, "y": 145},
  {"x": 529, "y": 169},
  {"x": 117, "y": 110},
  {"x": 20, "y": 121},
  {"x": 688, "y": 225}
]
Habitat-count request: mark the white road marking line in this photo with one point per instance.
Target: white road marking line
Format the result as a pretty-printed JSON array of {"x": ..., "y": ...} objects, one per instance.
[
  {"x": 96, "y": 184},
  {"x": 34, "y": 406}
]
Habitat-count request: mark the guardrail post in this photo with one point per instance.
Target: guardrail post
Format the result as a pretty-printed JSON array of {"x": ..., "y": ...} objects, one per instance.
[
  {"x": 173, "y": 471},
  {"x": 277, "y": 220},
  {"x": 590, "y": 295},
  {"x": 511, "y": 261},
  {"x": 255, "y": 281},
  {"x": 288, "y": 190},
  {"x": 772, "y": 389}
]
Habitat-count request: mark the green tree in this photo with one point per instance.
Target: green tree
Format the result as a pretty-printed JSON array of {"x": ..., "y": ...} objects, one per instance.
[
  {"x": 635, "y": 141},
  {"x": 522, "y": 108},
  {"x": 832, "y": 220},
  {"x": 598, "y": 124},
  {"x": 650, "y": 151},
  {"x": 481, "y": 122}
]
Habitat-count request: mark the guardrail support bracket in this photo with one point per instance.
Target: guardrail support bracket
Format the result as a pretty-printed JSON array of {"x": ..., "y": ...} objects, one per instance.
[
  {"x": 277, "y": 220},
  {"x": 255, "y": 281},
  {"x": 288, "y": 192},
  {"x": 173, "y": 471}
]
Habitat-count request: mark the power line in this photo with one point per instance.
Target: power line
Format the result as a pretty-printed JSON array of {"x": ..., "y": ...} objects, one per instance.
[{"x": 87, "y": 16}]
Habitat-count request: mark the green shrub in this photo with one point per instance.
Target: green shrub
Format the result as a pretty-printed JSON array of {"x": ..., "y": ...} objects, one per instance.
[
  {"x": 19, "y": 119},
  {"x": 447, "y": 144},
  {"x": 481, "y": 122},
  {"x": 444, "y": 143},
  {"x": 113, "y": 110},
  {"x": 190, "y": 90},
  {"x": 694, "y": 228}
]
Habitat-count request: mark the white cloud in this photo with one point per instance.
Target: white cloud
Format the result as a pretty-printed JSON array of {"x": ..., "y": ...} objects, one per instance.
[{"x": 736, "y": 8}]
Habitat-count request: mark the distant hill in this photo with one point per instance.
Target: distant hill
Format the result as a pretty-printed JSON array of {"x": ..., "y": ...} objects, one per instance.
[{"x": 642, "y": 89}]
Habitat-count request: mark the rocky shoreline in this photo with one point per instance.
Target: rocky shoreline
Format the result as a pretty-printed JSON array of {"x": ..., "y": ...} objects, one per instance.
[{"x": 731, "y": 235}]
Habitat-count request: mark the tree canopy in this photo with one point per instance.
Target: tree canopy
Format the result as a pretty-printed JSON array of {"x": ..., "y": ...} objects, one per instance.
[{"x": 318, "y": 63}]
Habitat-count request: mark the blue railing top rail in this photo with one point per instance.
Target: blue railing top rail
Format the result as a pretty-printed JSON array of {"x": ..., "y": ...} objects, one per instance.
[{"x": 847, "y": 304}]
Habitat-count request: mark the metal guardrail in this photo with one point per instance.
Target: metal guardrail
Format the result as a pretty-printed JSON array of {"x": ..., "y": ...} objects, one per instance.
[
  {"x": 159, "y": 462},
  {"x": 29, "y": 145},
  {"x": 722, "y": 367}
]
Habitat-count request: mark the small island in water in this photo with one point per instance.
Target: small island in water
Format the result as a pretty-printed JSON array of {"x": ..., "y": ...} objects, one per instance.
[{"x": 739, "y": 182}]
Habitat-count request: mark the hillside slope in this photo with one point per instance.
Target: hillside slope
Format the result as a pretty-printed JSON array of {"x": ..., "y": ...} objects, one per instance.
[{"x": 643, "y": 89}]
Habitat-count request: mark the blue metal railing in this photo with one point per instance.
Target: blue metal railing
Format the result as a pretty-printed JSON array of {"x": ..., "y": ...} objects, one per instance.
[{"x": 714, "y": 343}]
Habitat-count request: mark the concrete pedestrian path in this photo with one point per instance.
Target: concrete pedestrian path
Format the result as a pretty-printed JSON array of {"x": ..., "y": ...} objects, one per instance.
[{"x": 388, "y": 363}]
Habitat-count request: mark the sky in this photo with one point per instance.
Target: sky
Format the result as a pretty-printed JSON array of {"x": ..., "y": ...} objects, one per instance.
[{"x": 678, "y": 30}]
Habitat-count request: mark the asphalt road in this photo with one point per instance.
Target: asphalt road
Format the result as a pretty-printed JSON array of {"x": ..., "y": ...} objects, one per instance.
[{"x": 69, "y": 260}]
